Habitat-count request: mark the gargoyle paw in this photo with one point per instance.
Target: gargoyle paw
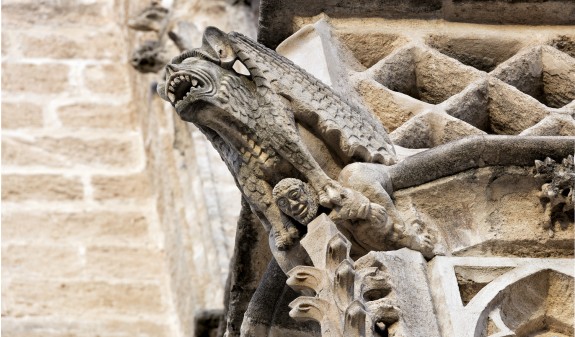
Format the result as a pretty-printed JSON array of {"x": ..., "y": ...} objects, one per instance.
[
  {"x": 292, "y": 232},
  {"x": 283, "y": 240}
]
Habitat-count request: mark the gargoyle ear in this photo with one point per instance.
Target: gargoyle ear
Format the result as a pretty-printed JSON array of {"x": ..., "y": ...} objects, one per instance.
[
  {"x": 161, "y": 90},
  {"x": 216, "y": 43}
]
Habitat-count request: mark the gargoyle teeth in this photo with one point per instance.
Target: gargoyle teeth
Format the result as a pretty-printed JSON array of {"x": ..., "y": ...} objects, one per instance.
[
  {"x": 183, "y": 86},
  {"x": 171, "y": 96}
]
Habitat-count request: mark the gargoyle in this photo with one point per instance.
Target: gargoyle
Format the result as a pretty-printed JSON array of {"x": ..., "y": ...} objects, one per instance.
[
  {"x": 255, "y": 120},
  {"x": 152, "y": 18},
  {"x": 149, "y": 57}
]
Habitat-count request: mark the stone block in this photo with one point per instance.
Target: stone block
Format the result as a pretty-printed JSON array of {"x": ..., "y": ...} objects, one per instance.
[
  {"x": 21, "y": 115},
  {"x": 41, "y": 261},
  {"x": 100, "y": 116},
  {"x": 124, "y": 262},
  {"x": 70, "y": 43},
  {"x": 510, "y": 12},
  {"x": 107, "y": 79},
  {"x": 70, "y": 152},
  {"x": 47, "y": 187},
  {"x": 90, "y": 298},
  {"x": 34, "y": 78},
  {"x": 16, "y": 13},
  {"x": 104, "y": 227},
  {"x": 58, "y": 327},
  {"x": 135, "y": 186},
  {"x": 6, "y": 42}
]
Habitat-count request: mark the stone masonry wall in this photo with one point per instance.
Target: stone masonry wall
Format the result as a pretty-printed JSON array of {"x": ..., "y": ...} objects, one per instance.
[
  {"x": 109, "y": 227},
  {"x": 82, "y": 249}
]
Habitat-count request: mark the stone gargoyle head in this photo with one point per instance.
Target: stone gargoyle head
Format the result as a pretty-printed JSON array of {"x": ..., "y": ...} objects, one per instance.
[{"x": 202, "y": 76}]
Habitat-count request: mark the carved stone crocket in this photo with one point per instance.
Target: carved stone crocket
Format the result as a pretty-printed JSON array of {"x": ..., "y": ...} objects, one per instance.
[{"x": 252, "y": 121}]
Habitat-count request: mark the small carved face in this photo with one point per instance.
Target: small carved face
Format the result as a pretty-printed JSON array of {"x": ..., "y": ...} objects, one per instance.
[{"x": 296, "y": 199}]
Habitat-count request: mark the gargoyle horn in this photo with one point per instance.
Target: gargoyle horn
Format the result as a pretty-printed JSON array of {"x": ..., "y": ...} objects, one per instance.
[{"x": 217, "y": 44}]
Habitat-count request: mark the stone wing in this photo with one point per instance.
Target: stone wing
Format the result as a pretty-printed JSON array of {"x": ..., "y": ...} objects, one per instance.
[{"x": 350, "y": 130}]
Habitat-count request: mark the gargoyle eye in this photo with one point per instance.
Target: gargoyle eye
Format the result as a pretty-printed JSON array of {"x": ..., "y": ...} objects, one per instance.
[{"x": 294, "y": 194}]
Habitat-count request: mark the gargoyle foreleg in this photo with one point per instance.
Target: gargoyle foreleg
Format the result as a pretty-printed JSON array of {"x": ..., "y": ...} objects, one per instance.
[
  {"x": 329, "y": 191},
  {"x": 372, "y": 181}
]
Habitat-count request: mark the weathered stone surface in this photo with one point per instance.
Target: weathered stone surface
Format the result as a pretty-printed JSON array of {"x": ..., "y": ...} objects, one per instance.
[
  {"x": 84, "y": 328},
  {"x": 70, "y": 43},
  {"x": 514, "y": 295},
  {"x": 487, "y": 212},
  {"x": 41, "y": 187},
  {"x": 406, "y": 272},
  {"x": 108, "y": 79},
  {"x": 21, "y": 115},
  {"x": 41, "y": 261},
  {"x": 92, "y": 298},
  {"x": 277, "y": 16},
  {"x": 554, "y": 125},
  {"x": 17, "y": 13},
  {"x": 70, "y": 152},
  {"x": 98, "y": 116},
  {"x": 121, "y": 187},
  {"x": 124, "y": 263},
  {"x": 86, "y": 227},
  {"x": 46, "y": 78},
  {"x": 504, "y": 12}
]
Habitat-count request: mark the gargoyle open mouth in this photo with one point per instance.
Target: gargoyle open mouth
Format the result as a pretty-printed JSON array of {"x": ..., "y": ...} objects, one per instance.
[{"x": 181, "y": 86}]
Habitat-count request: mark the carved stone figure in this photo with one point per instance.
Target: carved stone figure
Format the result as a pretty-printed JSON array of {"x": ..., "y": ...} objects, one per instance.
[
  {"x": 253, "y": 122},
  {"x": 149, "y": 57},
  {"x": 368, "y": 226},
  {"x": 557, "y": 192},
  {"x": 152, "y": 18}
]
